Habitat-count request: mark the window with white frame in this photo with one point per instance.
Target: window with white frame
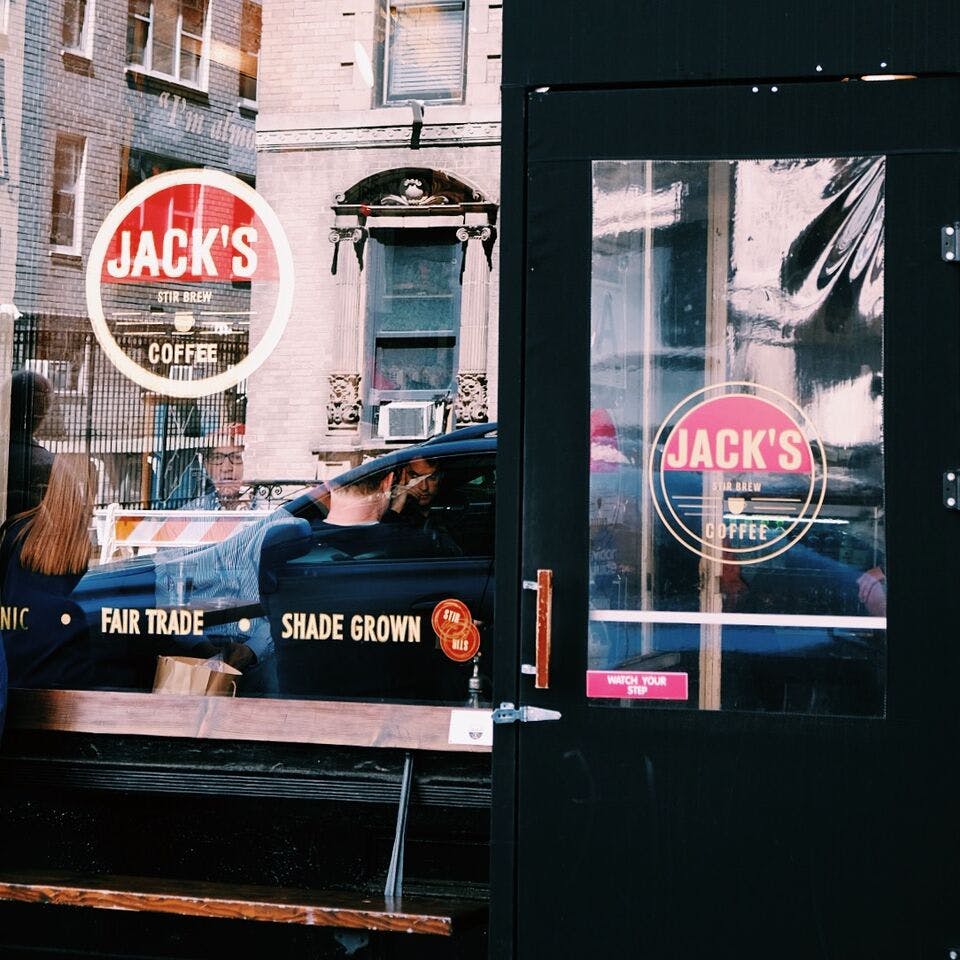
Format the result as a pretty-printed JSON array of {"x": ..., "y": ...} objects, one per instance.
[
  {"x": 169, "y": 37},
  {"x": 251, "y": 21},
  {"x": 67, "y": 206},
  {"x": 77, "y": 29},
  {"x": 425, "y": 51}
]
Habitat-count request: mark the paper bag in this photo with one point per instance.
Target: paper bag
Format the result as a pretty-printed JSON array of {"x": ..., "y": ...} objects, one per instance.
[{"x": 207, "y": 678}]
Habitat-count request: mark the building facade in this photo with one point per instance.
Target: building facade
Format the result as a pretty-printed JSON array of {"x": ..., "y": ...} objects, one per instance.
[
  {"x": 113, "y": 93},
  {"x": 384, "y": 169}
]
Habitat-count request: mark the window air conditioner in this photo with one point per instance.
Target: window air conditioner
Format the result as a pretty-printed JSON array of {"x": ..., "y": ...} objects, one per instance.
[{"x": 413, "y": 420}]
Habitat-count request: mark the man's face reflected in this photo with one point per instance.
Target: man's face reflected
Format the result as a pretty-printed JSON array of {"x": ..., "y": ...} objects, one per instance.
[
  {"x": 225, "y": 468},
  {"x": 422, "y": 481}
]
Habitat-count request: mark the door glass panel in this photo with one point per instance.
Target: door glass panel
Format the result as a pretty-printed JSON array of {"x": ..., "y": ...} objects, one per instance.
[{"x": 736, "y": 505}]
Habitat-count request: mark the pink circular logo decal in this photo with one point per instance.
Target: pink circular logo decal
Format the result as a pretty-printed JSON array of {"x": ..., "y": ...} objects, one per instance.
[{"x": 737, "y": 473}]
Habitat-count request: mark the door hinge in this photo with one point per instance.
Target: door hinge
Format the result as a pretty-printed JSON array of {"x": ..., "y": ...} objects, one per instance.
[
  {"x": 951, "y": 489},
  {"x": 508, "y": 713},
  {"x": 950, "y": 243}
]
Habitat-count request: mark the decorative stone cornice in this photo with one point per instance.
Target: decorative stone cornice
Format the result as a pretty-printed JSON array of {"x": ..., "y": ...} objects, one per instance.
[{"x": 343, "y": 138}]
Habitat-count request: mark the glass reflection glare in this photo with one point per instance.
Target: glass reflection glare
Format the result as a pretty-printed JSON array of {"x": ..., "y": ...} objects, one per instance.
[{"x": 769, "y": 274}]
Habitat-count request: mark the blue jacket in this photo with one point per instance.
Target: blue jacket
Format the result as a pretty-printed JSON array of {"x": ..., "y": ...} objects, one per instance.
[{"x": 3, "y": 686}]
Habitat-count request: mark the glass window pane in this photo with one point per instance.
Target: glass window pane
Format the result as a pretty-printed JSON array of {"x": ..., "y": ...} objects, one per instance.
[
  {"x": 74, "y": 12},
  {"x": 414, "y": 364},
  {"x": 416, "y": 281},
  {"x": 736, "y": 497},
  {"x": 165, "y": 28},
  {"x": 137, "y": 32},
  {"x": 425, "y": 56},
  {"x": 190, "y": 54},
  {"x": 191, "y": 363},
  {"x": 193, "y": 12}
]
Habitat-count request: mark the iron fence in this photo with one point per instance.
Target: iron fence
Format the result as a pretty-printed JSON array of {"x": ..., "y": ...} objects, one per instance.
[{"x": 147, "y": 448}]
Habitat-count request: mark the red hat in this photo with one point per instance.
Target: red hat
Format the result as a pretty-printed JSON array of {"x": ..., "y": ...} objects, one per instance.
[{"x": 605, "y": 452}]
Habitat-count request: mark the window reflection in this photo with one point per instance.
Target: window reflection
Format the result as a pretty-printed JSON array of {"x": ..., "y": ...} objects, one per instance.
[
  {"x": 760, "y": 280},
  {"x": 189, "y": 480}
]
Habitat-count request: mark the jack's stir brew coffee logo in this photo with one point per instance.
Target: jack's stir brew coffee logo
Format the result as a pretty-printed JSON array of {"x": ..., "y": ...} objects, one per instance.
[
  {"x": 189, "y": 282},
  {"x": 737, "y": 473}
]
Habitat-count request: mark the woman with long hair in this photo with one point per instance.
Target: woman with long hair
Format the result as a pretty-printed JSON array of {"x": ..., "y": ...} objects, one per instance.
[{"x": 44, "y": 552}]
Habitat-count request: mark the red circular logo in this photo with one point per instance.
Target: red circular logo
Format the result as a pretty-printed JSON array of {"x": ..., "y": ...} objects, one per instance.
[
  {"x": 737, "y": 473},
  {"x": 458, "y": 634},
  {"x": 189, "y": 282}
]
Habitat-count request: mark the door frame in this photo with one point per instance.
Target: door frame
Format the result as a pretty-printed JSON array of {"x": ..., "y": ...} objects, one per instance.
[{"x": 938, "y": 95}]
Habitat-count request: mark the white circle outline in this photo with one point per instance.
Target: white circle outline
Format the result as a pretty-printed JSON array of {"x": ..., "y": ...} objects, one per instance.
[
  {"x": 281, "y": 314},
  {"x": 807, "y": 521}
]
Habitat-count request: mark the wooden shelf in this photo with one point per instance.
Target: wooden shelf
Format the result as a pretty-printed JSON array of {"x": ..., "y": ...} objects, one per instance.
[{"x": 333, "y": 722}]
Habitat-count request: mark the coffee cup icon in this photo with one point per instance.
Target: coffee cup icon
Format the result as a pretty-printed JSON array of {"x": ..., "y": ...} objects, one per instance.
[{"x": 183, "y": 321}]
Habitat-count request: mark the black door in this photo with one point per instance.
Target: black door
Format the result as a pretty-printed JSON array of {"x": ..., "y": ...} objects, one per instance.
[{"x": 741, "y": 395}]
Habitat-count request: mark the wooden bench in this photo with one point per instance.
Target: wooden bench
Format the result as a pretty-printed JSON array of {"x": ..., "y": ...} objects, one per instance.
[
  {"x": 241, "y": 902},
  {"x": 389, "y": 739}
]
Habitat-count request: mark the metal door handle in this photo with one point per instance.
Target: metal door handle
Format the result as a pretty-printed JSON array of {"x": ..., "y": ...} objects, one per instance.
[{"x": 544, "y": 588}]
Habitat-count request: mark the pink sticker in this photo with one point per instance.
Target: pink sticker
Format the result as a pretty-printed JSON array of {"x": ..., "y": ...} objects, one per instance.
[{"x": 629, "y": 685}]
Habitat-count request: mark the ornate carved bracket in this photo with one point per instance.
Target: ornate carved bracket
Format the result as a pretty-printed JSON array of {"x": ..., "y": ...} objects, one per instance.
[
  {"x": 471, "y": 403},
  {"x": 343, "y": 407},
  {"x": 485, "y": 234},
  {"x": 355, "y": 235},
  {"x": 482, "y": 233}
]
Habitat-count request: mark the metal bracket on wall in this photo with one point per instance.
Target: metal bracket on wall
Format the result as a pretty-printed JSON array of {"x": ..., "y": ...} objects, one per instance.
[
  {"x": 508, "y": 713},
  {"x": 951, "y": 489},
  {"x": 950, "y": 243}
]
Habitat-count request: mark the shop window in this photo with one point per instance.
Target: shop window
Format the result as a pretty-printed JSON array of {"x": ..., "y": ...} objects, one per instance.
[
  {"x": 434, "y": 538},
  {"x": 250, "y": 29},
  {"x": 77, "y": 30},
  {"x": 168, "y": 37},
  {"x": 414, "y": 311},
  {"x": 67, "y": 212},
  {"x": 425, "y": 51}
]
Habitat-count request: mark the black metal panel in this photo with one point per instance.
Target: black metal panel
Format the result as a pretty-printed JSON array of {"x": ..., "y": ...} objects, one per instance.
[
  {"x": 610, "y": 42},
  {"x": 509, "y": 574},
  {"x": 701, "y": 122},
  {"x": 744, "y": 835}
]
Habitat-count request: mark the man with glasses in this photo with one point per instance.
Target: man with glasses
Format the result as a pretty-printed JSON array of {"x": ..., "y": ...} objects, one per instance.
[
  {"x": 412, "y": 501},
  {"x": 223, "y": 464},
  {"x": 414, "y": 494}
]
